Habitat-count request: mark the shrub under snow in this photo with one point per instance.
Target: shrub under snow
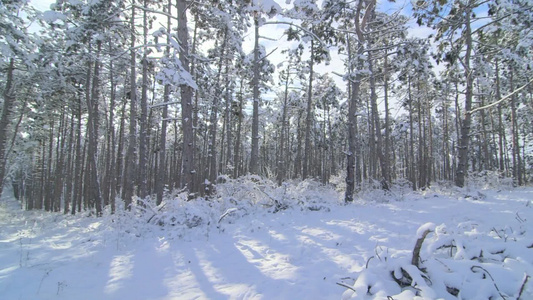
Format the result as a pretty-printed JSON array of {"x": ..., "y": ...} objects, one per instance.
[
  {"x": 457, "y": 262},
  {"x": 234, "y": 198}
]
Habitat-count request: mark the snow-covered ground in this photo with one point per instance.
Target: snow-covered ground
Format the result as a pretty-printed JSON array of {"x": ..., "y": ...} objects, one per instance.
[{"x": 479, "y": 245}]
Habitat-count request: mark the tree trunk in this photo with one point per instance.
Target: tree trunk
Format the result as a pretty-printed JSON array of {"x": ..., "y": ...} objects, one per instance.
[
  {"x": 332, "y": 147},
  {"x": 228, "y": 121},
  {"x": 48, "y": 176},
  {"x": 421, "y": 139},
  {"x": 161, "y": 176},
  {"x": 385, "y": 181},
  {"x": 428, "y": 155},
  {"x": 501, "y": 129},
  {"x": 386, "y": 161},
  {"x": 411, "y": 164},
  {"x": 298, "y": 159},
  {"x": 92, "y": 108},
  {"x": 447, "y": 174},
  {"x": 308, "y": 118},
  {"x": 462, "y": 166},
  {"x": 60, "y": 163},
  {"x": 188, "y": 170},
  {"x": 70, "y": 167},
  {"x": 351, "y": 166},
  {"x": 485, "y": 139},
  {"x": 143, "y": 120},
  {"x": 213, "y": 120},
  {"x": 282, "y": 167},
  {"x": 9, "y": 101},
  {"x": 517, "y": 161},
  {"x": 129, "y": 162},
  {"x": 254, "y": 155},
  {"x": 120, "y": 148},
  {"x": 78, "y": 168},
  {"x": 109, "y": 181},
  {"x": 236, "y": 152}
]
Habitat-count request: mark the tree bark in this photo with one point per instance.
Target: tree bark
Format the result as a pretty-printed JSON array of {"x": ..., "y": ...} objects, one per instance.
[
  {"x": 237, "y": 151},
  {"x": 377, "y": 126},
  {"x": 411, "y": 164},
  {"x": 78, "y": 167},
  {"x": 501, "y": 129},
  {"x": 462, "y": 166},
  {"x": 228, "y": 121},
  {"x": 119, "y": 159},
  {"x": 60, "y": 163},
  {"x": 213, "y": 120},
  {"x": 9, "y": 101},
  {"x": 254, "y": 155},
  {"x": 517, "y": 161},
  {"x": 143, "y": 120},
  {"x": 161, "y": 176},
  {"x": 92, "y": 106},
  {"x": 308, "y": 118},
  {"x": 360, "y": 24},
  {"x": 70, "y": 167},
  {"x": 298, "y": 158},
  {"x": 109, "y": 181},
  {"x": 188, "y": 170},
  {"x": 352, "y": 126},
  {"x": 130, "y": 165},
  {"x": 282, "y": 168},
  {"x": 386, "y": 161}
]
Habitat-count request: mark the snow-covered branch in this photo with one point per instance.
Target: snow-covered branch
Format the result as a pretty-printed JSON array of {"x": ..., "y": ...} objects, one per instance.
[
  {"x": 299, "y": 27},
  {"x": 501, "y": 100}
]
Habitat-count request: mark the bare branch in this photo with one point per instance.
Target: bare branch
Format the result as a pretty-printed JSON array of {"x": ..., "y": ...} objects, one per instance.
[
  {"x": 163, "y": 104},
  {"x": 264, "y": 57},
  {"x": 155, "y": 11},
  {"x": 418, "y": 246},
  {"x": 492, "y": 278},
  {"x": 523, "y": 286},
  {"x": 346, "y": 286}
]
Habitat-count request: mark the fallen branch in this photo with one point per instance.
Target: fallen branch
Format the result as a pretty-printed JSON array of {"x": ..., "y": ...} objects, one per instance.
[
  {"x": 227, "y": 212},
  {"x": 497, "y": 233},
  {"x": 346, "y": 286},
  {"x": 155, "y": 212},
  {"x": 405, "y": 280},
  {"x": 368, "y": 261},
  {"x": 279, "y": 205},
  {"x": 523, "y": 287},
  {"x": 418, "y": 246},
  {"x": 492, "y": 278},
  {"x": 519, "y": 218}
]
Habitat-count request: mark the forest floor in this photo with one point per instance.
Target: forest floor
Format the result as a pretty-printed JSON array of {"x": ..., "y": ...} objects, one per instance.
[{"x": 291, "y": 254}]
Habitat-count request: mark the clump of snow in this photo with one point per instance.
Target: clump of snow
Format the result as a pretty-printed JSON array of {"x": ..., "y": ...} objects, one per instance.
[
  {"x": 172, "y": 71},
  {"x": 51, "y": 16},
  {"x": 270, "y": 7},
  {"x": 422, "y": 230}
]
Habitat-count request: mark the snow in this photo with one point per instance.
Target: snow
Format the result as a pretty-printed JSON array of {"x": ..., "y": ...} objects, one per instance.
[
  {"x": 260, "y": 241},
  {"x": 269, "y": 7},
  {"x": 51, "y": 16},
  {"x": 422, "y": 229}
]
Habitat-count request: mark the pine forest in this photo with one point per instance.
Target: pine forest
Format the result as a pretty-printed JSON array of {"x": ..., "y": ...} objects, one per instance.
[{"x": 266, "y": 149}]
